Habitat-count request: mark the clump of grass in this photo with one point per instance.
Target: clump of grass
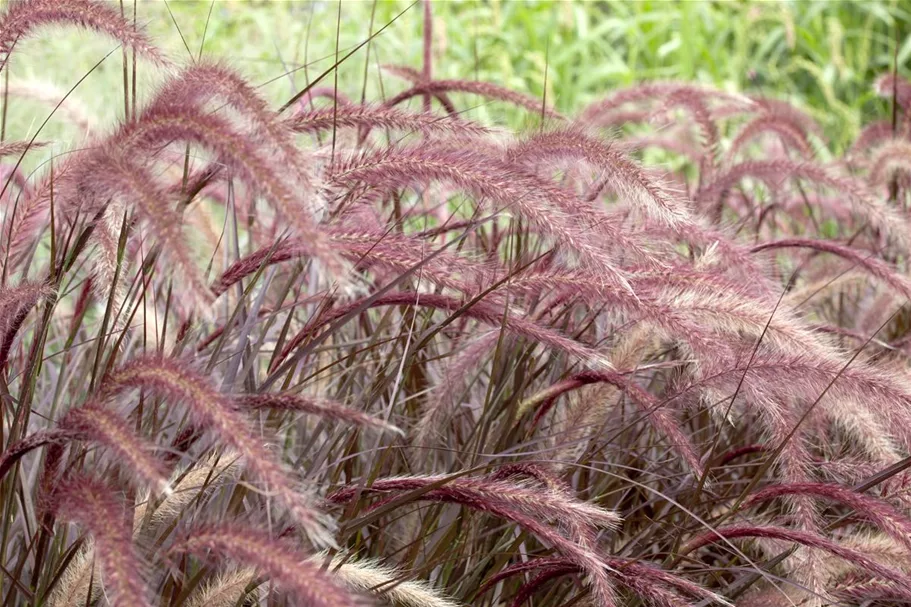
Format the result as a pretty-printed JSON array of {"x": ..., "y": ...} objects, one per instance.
[{"x": 336, "y": 352}]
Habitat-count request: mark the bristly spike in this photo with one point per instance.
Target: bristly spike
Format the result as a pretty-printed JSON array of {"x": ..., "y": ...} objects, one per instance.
[
  {"x": 93, "y": 506},
  {"x": 23, "y": 17},
  {"x": 292, "y": 571},
  {"x": 216, "y": 413}
]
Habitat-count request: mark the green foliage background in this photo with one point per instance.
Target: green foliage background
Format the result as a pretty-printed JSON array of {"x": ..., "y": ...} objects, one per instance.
[{"x": 820, "y": 54}]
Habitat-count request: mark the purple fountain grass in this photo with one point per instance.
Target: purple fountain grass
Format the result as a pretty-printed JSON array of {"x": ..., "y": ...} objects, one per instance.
[
  {"x": 865, "y": 260},
  {"x": 13, "y": 173},
  {"x": 484, "y": 89},
  {"x": 717, "y": 251},
  {"x": 544, "y": 475},
  {"x": 696, "y": 106},
  {"x": 106, "y": 239},
  {"x": 651, "y": 408},
  {"x": 646, "y": 308},
  {"x": 93, "y": 505},
  {"x": 207, "y": 81},
  {"x": 887, "y": 85},
  {"x": 613, "y": 119},
  {"x": 443, "y": 403},
  {"x": 865, "y": 203},
  {"x": 70, "y": 110},
  {"x": 368, "y": 249},
  {"x": 320, "y": 407},
  {"x": 400, "y": 253},
  {"x": 15, "y": 305},
  {"x": 787, "y": 113},
  {"x": 678, "y": 143},
  {"x": 207, "y": 295},
  {"x": 860, "y": 399},
  {"x": 531, "y": 587},
  {"x": 541, "y": 502},
  {"x": 110, "y": 170},
  {"x": 94, "y": 422},
  {"x": 290, "y": 569},
  {"x": 638, "y": 577},
  {"x": 252, "y": 164},
  {"x": 864, "y": 590},
  {"x": 484, "y": 311},
  {"x": 788, "y": 134},
  {"x": 872, "y": 136},
  {"x": 537, "y": 200},
  {"x": 204, "y": 82},
  {"x": 108, "y": 173},
  {"x": 578, "y": 553},
  {"x": 24, "y": 225},
  {"x": 305, "y": 103},
  {"x": 16, "y": 451},
  {"x": 643, "y": 187},
  {"x": 889, "y": 159},
  {"x": 216, "y": 413},
  {"x": 416, "y": 77},
  {"x": 885, "y": 516},
  {"x": 382, "y": 117},
  {"x": 655, "y": 91},
  {"x": 19, "y": 148},
  {"x": 690, "y": 306},
  {"x": 805, "y": 539},
  {"x": 22, "y": 18}
]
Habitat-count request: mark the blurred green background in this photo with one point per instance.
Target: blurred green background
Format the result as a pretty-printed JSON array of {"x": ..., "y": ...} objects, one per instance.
[{"x": 823, "y": 55}]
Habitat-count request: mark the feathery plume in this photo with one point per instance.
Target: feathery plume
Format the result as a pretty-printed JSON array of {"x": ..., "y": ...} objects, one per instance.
[
  {"x": 552, "y": 503},
  {"x": 699, "y": 111},
  {"x": 94, "y": 422},
  {"x": 548, "y": 207},
  {"x": 892, "y": 157},
  {"x": 288, "y": 568},
  {"x": 292, "y": 194},
  {"x": 415, "y": 77},
  {"x": 379, "y": 116},
  {"x": 484, "y": 311},
  {"x": 888, "y": 518},
  {"x": 649, "y": 582},
  {"x": 68, "y": 107},
  {"x": 15, "y": 304},
  {"x": 769, "y": 124},
  {"x": 73, "y": 586},
  {"x": 19, "y": 148},
  {"x": 368, "y": 575},
  {"x": 650, "y": 406},
  {"x": 93, "y": 506},
  {"x": 303, "y": 404},
  {"x": 522, "y": 507},
  {"x": 217, "y": 413},
  {"x": 774, "y": 172},
  {"x": 871, "y": 136},
  {"x": 484, "y": 89},
  {"x": 187, "y": 487},
  {"x": 109, "y": 173},
  {"x": 369, "y": 249},
  {"x": 657, "y": 90},
  {"x": 226, "y": 590},
  {"x": 812, "y": 540},
  {"x": 305, "y": 103},
  {"x": 886, "y": 84},
  {"x": 23, "y": 17},
  {"x": 641, "y": 186}
]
